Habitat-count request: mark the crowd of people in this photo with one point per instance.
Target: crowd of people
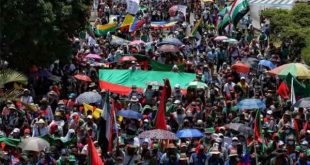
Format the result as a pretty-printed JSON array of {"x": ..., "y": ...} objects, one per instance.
[{"x": 48, "y": 106}]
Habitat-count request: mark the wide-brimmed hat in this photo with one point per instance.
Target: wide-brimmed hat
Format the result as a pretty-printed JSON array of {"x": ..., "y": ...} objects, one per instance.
[
  {"x": 183, "y": 156},
  {"x": 12, "y": 106},
  {"x": 233, "y": 152},
  {"x": 215, "y": 150},
  {"x": 134, "y": 99},
  {"x": 40, "y": 121},
  {"x": 44, "y": 101}
]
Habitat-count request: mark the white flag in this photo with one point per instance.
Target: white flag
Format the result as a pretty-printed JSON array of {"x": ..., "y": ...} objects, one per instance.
[
  {"x": 293, "y": 98},
  {"x": 133, "y": 6}
]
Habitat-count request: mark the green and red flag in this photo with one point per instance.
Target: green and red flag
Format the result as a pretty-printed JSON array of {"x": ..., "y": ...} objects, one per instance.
[
  {"x": 258, "y": 135},
  {"x": 238, "y": 9},
  {"x": 93, "y": 157},
  {"x": 120, "y": 81}
]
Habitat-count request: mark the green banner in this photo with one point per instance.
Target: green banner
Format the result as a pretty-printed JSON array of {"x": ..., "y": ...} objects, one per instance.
[
  {"x": 141, "y": 78},
  {"x": 301, "y": 90},
  {"x": 164, "y": 67}
]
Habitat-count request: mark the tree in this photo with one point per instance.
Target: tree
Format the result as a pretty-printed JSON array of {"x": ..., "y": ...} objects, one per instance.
[
  {"x": 293, "y": 25},
  {"x": 37, "y": 32}
]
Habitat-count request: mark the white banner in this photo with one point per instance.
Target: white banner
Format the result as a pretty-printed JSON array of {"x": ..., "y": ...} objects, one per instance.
[{"x": 133, "y": 6}]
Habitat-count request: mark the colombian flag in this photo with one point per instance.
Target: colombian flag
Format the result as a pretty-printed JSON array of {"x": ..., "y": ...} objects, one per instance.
[
  {"x": 102, "y": 30},
  {"x": 129, "y": 19}
]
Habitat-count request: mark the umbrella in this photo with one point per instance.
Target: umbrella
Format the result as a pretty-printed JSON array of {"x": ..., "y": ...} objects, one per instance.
[
  {"x": 171, "y": 41},
  {"x": 303, "y": 103},
  {"x": 54, "y": 78},
  {"x": 251, "y": 104},
  {"x": 118, "y": 41},
  {"x": 197, "y": 84},
  {"x": 220, "y": 38},
  {"x": 172, "y": 10},
  {"x": 136, "y": 42},
  {"x": 267, "y": 63},
  {"x": 252, "y": 62},
  {"x": 89, "y": 97},
  {"x": 240, "y": 128},
  {"x": 298, "y": 70},
  {"x": 130, "y": 114},
  {"x": 168, "y": 48},
  {"x": 207, "y": 1},
  {"x": 158, "y": 134},
  {"x": 241, "y": 68},
  {"x": 127, "y": 58},
  {"x": 33, "y": 144},
  {"x": 189, "y": 133},
  {"x": 82, "y": 77},
  {"x": 93, "y": 56},
  {"x": 231, "y": 41}
]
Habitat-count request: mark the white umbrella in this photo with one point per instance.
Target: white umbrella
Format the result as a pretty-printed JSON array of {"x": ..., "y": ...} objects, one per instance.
[{"x": 33, "y": 144}]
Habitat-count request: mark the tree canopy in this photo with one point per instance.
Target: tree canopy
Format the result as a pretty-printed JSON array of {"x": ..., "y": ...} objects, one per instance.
[
  {"x": 37, "y": 32},
  {"x": 292, "y": 25}
]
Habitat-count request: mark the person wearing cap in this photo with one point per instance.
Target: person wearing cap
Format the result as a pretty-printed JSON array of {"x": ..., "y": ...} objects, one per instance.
[
  {"x": 134, "y": 92},
  {"x": 64, "y": 157},
  {"x": 27, "y": 133},
  {"x": 228, "y": 86},
  {"x": 90, "y": 126},
  {"x": 15, "y": 133},
  {"x": 170, "y": 156},
  {"x": 215, "y": 157},
  {"x": 244, "y": 87},
  {"x": 131, "y": 155},
  {"x": 176, "y": 92},
  {"x": 39, "y": 128},
  {"x": 233, "y": 158},
  {"x": 46, "y": 110},
  {"x": 199, "y": 157},
  {"x": 234, "y": 143},
  {"x": 134, "y": 104},
  {"x": 149, "y": 95},
  {"x": 26, "y": 97}
]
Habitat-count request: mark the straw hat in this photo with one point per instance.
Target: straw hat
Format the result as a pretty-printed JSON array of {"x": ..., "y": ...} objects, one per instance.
[
  {"x": 215, "y": 151},
  {"x": 12, "y": 106},
  {"x": 41, "y": 121},
  {"x": 233, "y": 152},
  {"x": 134, "y": 99}
]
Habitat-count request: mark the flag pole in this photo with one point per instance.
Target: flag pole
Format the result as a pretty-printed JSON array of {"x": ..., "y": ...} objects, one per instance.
[{"x": 256, "y": 159}]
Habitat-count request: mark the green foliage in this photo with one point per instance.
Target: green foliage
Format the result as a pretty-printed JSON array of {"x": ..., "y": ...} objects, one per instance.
[
  {"x": 293, "y": 25},
  {"x": 39, "y": 31},
  {"x": 305, "y": 53}
]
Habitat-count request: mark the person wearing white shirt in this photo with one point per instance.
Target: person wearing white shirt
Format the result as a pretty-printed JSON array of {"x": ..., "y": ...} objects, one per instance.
[{"x": 228, "y": 86}]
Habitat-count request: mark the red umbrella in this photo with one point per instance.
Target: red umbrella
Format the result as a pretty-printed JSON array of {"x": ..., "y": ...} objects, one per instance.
[
  {"x": 127, "y": 58},
  {"x": 172, "y": 11},
  {"x": 241, "y": 68},
  {"x": 168, "y": 48},
  {"x": 82, "y": 77}
]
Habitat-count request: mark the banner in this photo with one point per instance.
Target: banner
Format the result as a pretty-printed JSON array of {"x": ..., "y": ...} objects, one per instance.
[
  {"x": 164, "y": 67},
  {"x": 121, "y": 81}
]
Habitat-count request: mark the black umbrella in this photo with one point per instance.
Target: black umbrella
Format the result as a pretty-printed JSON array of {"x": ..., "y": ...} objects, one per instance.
[
  {"x": 252, "y": 62},
  {"x": 303, "y": 103}
]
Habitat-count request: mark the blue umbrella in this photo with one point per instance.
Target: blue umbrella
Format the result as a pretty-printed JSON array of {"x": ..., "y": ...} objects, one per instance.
[
  {"x": 89, "y": 98},
  {"x": 130, "y": 114},
  {"x": 189, "y": 133},
  {"x": 172, "y": 41},
  {"x": 251, "y": 104},
  {"x": 267, "y": 63}
]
